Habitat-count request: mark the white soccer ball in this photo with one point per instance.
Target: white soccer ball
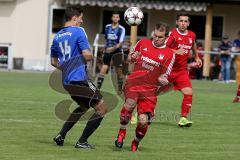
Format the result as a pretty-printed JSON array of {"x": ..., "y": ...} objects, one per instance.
[{"x": 133, "y": 16}]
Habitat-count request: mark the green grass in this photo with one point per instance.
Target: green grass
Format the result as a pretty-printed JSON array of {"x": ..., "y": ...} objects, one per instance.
[{"x": 28, "y": 124}]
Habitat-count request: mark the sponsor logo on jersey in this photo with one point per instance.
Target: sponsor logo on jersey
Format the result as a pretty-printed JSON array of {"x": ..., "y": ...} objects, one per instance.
[
  {"x": 149, "y": 60},
  {"x": 179, "y": 38},
  {"x": 184, "y": 46},
  {"x": 112, "y": 36}
]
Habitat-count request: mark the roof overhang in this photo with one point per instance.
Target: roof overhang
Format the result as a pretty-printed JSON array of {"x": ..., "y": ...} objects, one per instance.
[{"x": 145, "y": 4}]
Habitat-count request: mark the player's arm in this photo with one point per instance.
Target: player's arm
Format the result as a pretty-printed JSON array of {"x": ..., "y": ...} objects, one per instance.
[
  {"x": 195, "y": 53},
  {"x": 171, "y": 41},
  {"x": 163, "y": 78},
  {"x": 54, "y": 56},
  {"x": 135, "y": 53},
  {"x": 84, "y": 45},
  {"x": 121, "y": 39}
]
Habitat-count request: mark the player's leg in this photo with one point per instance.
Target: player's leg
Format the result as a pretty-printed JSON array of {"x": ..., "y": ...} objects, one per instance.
[
  {"x": 104, "y": 69},
  {"x": 94, "y": 122},
  {"x": 125, "y": 117},
  {"x": 186, "y": 107},
  {"x": 69, "y": 123},
  {"x": 182, "y": 83},
  {"x": 145, "y": 111},
  {"x": 75, "y": 91},
  {"x": 118, "y": 60}
]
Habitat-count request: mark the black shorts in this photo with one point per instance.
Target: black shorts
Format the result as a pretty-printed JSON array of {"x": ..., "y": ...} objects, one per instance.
[
  {"x": 116, "y": 56},
  {"x": 84, "y": 93}
]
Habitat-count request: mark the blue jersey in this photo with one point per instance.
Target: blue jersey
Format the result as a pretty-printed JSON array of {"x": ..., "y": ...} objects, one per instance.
[
  {"x": 67, "y": 46},
  {"x": 114, "y": 36}
]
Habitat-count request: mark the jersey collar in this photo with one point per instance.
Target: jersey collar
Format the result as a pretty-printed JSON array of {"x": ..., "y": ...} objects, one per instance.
[
  {"x": 164, "y": 46},
  {"x": 184, "y": 34}
]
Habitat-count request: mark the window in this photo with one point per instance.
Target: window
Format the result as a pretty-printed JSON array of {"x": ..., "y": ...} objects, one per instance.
[
  {"x": 58, "y": 20},
  {"x": 197, "y": 24},
  {"x": 142, "y": 28}
]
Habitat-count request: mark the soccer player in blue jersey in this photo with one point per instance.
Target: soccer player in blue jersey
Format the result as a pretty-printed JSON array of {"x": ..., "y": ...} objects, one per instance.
[
  {"x": 69, "y": 52},
  {"x": 114, "y": 35}
]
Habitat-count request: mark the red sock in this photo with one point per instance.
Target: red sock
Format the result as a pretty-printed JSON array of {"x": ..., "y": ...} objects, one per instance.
[
  {"x": 140, "y": 132},
  {"x": 125, "y": 117},
  {"x": 238, "y": 91},
  {"x": 186, "y": 105}
]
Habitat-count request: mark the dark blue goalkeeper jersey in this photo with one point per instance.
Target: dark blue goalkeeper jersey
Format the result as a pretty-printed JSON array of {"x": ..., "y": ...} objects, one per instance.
[
  {"x": 114, "y": 36},
  {"x": 67, "y": 46}
]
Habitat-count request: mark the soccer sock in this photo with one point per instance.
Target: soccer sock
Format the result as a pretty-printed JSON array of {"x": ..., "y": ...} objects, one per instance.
[
  {"x": 100, "y": 80},
  {"x": 120, "y": 83},
  {"x": 238, "y": 91},
  {"x": 92, "y": 124},
  {"x": 125, "y": 117},
  {"x": 186, "y": 105},
  {"x": 71, "y": 121},
  {"x": 140, "y": 132}
]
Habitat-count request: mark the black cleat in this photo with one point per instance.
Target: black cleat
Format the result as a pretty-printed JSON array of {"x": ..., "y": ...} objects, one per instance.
[
  {"x": 59, "y": 140},
  {"x": 118, "y": 144},
  {"x": 84, "y": 145}
]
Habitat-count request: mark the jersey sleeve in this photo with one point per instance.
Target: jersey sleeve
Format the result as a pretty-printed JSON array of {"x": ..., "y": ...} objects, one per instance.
[
  {"x": 54, "y": 49},
  {"x": 169, "y": 61},
  {"x": 122, "y": 35},
  {"x": 170, "y": 40},
  {"x": 83, "y": 43},
  {"x": 137, "y": 46}
]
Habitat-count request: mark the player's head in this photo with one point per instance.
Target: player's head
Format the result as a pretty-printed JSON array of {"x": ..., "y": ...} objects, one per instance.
[
  {"x": 115, "y": 17},
  {"x": 74, "y": 15},
  {"x": 160, "y": 33},
  {"x": 183, "y": 21}
]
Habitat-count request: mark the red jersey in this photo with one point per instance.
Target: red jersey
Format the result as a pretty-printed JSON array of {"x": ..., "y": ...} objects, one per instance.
[
  {"x": 152, "y": 62},
  {"x": 178, "y": 40}
]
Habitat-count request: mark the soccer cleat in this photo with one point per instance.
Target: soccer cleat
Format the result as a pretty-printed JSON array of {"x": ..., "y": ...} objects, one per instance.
[
  {"x": 120, "y": 138},
  {"x": 184, "y": 122},
  {"x": 84, "y": 145},
  {"x": 59, "y": 140},
  {"x": 236, "y": 100},
  {"x": 134, "y": 146}
]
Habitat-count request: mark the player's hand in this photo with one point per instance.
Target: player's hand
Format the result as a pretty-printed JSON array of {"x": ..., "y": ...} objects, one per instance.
[
  {"x": 134, "y": 55},
  {"x": 180, "y": 51},
  {"x": 163, "y": 80},
  {"x": 199, "y": 62}
]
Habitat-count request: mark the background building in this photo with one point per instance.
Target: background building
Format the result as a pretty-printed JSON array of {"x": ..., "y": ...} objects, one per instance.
[{"x": 28, "y": 26}]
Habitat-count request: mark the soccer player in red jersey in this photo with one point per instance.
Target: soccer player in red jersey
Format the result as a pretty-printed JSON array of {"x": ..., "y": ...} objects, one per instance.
[
  {"x": 153, "y": 64},
  {"x": 182, "y": 41}
]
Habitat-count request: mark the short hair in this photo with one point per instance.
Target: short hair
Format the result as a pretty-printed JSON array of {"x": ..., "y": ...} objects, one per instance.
[
  {"x": 183, "y": 14},
  {"x": 162, "y": 27},
  {"x": 72, "y": 11},
  {"x": 115, "y": 12}
]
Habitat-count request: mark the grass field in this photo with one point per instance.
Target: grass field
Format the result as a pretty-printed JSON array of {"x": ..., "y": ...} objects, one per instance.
[{"x": 28, "y": 124}]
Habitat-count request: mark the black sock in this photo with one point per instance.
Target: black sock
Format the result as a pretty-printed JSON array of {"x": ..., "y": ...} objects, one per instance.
[
  {"x": 120, "y": 83},
  {"x": 100, "y": 81},
  {"x": 71, "y": 121},
  {"x": 92, "y": 124}
]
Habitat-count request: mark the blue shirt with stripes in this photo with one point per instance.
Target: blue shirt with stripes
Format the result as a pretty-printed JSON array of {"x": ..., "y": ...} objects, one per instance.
[
  {"x": 67, "y": 46},
  {"x": 114, "y": 36}
]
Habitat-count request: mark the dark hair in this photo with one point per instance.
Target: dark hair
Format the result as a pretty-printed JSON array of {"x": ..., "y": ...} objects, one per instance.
[
  {"x": 183, "y": 14},
  {"x": 115, "y": 12},
  {"x": 72, "y": 11},
  {"x": 162, "y": 27}
]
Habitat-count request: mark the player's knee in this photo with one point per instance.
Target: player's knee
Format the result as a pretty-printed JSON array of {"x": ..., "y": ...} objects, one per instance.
[
  {"x": 187, "y": 91},
  {"x": 101, "y": 107},
  {"x": 143, "y": 120},
  {"x": 130, "y": 104}
]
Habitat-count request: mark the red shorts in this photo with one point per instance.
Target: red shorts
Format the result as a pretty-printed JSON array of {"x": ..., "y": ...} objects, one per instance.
[
  {"x": 180, "y": 79},
  {"x": 145, "y": 97}
]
